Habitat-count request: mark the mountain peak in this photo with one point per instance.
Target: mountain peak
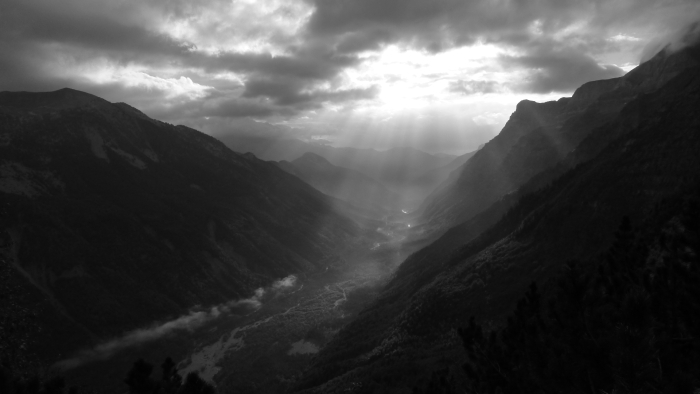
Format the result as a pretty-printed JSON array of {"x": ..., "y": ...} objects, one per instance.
[
  {"x": 648, "y": 76},
  {"x": 312, "y": 159},
  {"x": 523, "y": 104}
]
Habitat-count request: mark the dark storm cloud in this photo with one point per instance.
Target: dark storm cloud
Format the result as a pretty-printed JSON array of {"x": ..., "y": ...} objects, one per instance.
[
  {"x": 436, "y": 24},
  {"x": 72, "y": 25},
  {"x": 284, "y": 91},
  {"x": 305, "y": 63},
  {"x": 236, "y": 107},
  {"x": 559, "y": 71},
  {"x": 368, "y": 39},
  {"x": 32, "y": 32},
  {"x": 554, "y": 59},
  {"x": 443, "y": 24},
  {"x": 124, "y": 41}
]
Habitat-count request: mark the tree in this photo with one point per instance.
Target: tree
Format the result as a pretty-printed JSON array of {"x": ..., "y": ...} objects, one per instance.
[
  {"x": 195, "y": 385},
  {"x": 140, "y": 382},
  {"x": 139, "y": 378}
]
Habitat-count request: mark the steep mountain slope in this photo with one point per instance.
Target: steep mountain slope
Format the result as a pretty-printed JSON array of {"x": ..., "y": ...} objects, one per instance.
[
  {"x": 441, "y": 176},
  {"x": 346, "y": 184},
  {"x": 624, "y": 167},
  {"x": 118, "y": 219},
  {"x": 538, "y": 136}
]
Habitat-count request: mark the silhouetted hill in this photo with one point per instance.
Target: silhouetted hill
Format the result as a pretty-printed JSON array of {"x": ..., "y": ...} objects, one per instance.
[
  {"x": 110, "y": 219},
  {"x": 640, "y": 149},
  {"x": 346, "y": 184}
]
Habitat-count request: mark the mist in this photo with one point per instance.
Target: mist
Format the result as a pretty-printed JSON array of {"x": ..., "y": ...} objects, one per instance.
[
  {"x": 674, "y": 41},
  {"x": 189, "y": 322}
]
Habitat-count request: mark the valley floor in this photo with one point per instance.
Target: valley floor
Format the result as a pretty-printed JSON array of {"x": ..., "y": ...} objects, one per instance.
[{"x": 264, "y": 350}]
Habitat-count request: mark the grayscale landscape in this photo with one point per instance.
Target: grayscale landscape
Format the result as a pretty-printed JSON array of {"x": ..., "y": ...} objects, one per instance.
[{"x": 349, "y": 197}]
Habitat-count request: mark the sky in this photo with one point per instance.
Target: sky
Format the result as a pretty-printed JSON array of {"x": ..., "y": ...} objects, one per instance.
[{"x": 438, "y": 75}]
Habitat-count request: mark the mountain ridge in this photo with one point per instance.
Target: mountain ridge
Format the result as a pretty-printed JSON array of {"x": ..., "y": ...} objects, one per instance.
[
  {"x": 399, "y": 169},
  {"x": 349, "y": 185},
  {"x": 547, "y": 132}
]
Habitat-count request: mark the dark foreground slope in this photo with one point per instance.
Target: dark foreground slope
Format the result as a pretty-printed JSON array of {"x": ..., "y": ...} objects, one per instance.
[
  {"x": 631, "y": 326},
  {"x": 645, "y": 153},
  {"x": 538, "y": 136},
  {"x": 110, "y": 219}
]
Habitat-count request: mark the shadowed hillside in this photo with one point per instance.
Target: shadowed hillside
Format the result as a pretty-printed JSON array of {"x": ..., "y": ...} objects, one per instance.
[{"x": 111, "y": 220}]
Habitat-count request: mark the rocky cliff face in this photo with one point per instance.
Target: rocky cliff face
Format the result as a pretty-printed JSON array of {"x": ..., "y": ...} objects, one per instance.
[
  {"x": 119, "y": 219},
  {"x": 538, "y": 136}
]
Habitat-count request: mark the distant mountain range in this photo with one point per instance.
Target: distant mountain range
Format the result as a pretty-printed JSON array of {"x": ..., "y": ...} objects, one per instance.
[
  {"x": 552, "y": 187},
  {"x": 349, "y": 185},
  {"x": 110, "y": 219},
  {"x": 408, "y": 171}
]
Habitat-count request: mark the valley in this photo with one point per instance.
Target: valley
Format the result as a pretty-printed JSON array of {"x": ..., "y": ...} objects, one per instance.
[
  {"x": 264, "y": 348},
  {"x": 268, "y": 266}
]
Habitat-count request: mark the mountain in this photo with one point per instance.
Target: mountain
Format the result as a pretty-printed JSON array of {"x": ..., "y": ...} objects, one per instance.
[
  {"x": 346, "y": 184},
  {"x": 399, "y": 169},
  {"x": 110, "y": 220},
  {"x": 433, "y": 178},
  {"x": 538, "y": 136},
  {"x": 639, "y": 153}
]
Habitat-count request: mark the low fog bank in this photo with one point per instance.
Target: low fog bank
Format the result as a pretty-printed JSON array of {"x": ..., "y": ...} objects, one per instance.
[{"x": 196, "y": 318}]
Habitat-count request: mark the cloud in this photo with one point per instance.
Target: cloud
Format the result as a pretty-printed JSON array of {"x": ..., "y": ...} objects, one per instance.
[
  {"x": 673, "y": 41},
  {"x": 555, "y": 45},
  {"x": 439, "y": 24},
  {"x": 474, "y": 87},
  {"x": 558, "y": 71},
  {"x": 189, "y": 322},
  {"x": 285, "y": 283},
  {"x": 171, "y": 87},
  {"x": 167, "y": 46},
  {"x": 622, "y": 37},
  {"x": 237, "y": 107},
  {"x": 490, "y": 118},
  {"x": 286, "y": 92}
]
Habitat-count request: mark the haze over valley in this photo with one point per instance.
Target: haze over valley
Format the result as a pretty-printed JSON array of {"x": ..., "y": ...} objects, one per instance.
[{"x": 349, "y": 197}]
